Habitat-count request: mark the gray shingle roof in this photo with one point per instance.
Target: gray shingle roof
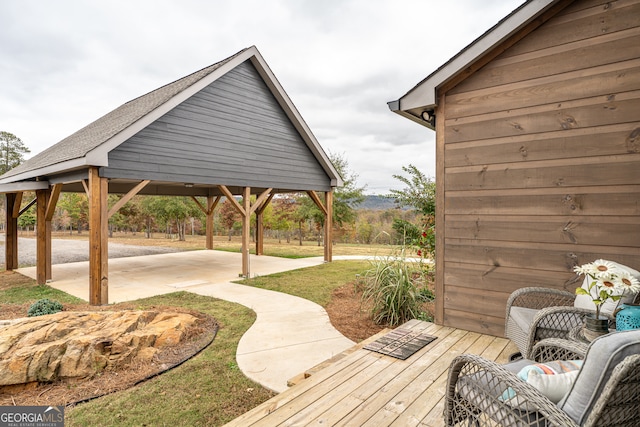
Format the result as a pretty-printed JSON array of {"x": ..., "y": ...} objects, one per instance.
[{"x": 93, "y": 135}]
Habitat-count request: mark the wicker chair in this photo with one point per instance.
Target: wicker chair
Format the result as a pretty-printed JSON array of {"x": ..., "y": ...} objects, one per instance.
[
  {"x": 606, "y": 390},
  {"x": 534, "y": 314}
]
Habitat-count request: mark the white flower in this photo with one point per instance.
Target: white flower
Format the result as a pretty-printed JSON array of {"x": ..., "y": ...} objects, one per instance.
[
  {"x": 627, "y": 282},
  {"x": 603, "y": 269},
  {"x": 606, "y": 281}
]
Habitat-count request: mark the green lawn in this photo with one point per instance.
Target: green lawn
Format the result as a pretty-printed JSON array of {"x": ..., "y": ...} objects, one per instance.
[{"x": 314, "y": 283}]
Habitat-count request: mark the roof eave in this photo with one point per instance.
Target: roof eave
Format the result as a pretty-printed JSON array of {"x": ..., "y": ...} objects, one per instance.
[
  {"x": 424, "y": 95},
  {"x": 73, "y": 164},
  {"x": 18, "y": 187}
]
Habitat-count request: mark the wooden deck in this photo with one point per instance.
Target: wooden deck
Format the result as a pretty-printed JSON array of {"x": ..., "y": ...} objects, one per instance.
[{"x": 364, "y": 388}]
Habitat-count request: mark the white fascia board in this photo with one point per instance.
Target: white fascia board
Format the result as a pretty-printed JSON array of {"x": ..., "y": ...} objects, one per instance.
[
  {"x": 47, "y": 170},
  {"x": 99, "y": 156},
  {"x": 294, "y": 115},
  {"x": 425, "y": 93},
  {"x": 17, "y": 187}
]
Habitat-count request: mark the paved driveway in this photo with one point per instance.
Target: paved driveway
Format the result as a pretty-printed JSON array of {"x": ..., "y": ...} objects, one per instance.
[{"x": 64, "y": 251}]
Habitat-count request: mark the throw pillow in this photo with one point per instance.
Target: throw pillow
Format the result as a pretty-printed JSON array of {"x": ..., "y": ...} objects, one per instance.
[{"x": 552, "y": 379}]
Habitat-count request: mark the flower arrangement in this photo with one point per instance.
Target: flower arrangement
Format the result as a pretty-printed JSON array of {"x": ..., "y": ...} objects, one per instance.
[{"x": 607, "y": 281}]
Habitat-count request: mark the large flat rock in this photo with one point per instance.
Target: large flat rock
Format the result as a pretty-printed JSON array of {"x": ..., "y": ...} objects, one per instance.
[{"x": 82, "y": 344}]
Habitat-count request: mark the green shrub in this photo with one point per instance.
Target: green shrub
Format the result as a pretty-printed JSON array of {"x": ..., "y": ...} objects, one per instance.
[
  {"x": 396, "y": 289},
  {"x": 44, "y": 306}
]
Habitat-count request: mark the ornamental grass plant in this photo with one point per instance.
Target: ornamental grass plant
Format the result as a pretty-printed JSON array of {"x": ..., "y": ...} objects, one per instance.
[{"x": 396, "y": 288}]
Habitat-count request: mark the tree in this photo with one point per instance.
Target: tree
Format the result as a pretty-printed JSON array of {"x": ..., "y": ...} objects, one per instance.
[
  {"x": 419, "y": 193},
  {"x": 284, "y": 212},
  {"x": 76, "y": 207},
  {"x": 13, "y": 150},
  {"x": 345, "y": 199},
  {"x": 168, "y": 209},
  {"x": 229, "y": 216}
]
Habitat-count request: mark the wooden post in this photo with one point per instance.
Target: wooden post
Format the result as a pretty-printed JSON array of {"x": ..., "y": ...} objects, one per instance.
[
  {"x": 98, "y": 234},
  {"x": 246, "y": 230},
  {"x": 260, "y": 225},
  {"x": 328, "y": 227},
  {"x": 208, "y": 211},
  {"x": 259, "y": 233},
  {"x": 327, "y": 209},
  {"x": 11, "y": 238},
  {"x": 42, "y": 197},
  {"x": 246, "y": 210},
  {"x": 211, "y": 203},
  {"x": 53, "y": 196}
]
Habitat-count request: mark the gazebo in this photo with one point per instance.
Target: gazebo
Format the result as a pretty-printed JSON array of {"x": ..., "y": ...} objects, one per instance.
[{"x": 227, "y": 130}]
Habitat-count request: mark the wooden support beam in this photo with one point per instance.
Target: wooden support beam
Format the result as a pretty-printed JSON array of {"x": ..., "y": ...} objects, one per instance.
[
  {"x": 261, "y": 198},
  {"x": 52, "y": 195},
  {"x": 211, "y": 206},
  {"x": 16, "y": 205},
  {"x": 231, "y": 199},
  {"x": 11, "y": 238},
  {"x": 53, "y": 201},
  {"x": 245, "y": 211},
  {"x": 41, "y": 238},
  {"x": 197, "y": 202},
  {"x": 316, "y": 199},
  {"x": 327, "y": 209},
  {"x": 120, "y": 203},
  {"x": 98, "y": 233},
  {"x": 246, "y": 230},
  {"x": 208, "y": 211},
  {"x": 260, "y": 225},
  {"x": 328, "y": 227},
  {"x": 85, "y": 185},
  {"x": 26, "y": 208}
]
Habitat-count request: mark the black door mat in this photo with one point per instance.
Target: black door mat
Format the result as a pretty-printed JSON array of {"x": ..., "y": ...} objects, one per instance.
[{"x": 400, "y": 343}]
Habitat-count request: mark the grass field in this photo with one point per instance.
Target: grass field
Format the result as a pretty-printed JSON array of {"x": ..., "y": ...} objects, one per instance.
[{"x": 272, "y": 247}]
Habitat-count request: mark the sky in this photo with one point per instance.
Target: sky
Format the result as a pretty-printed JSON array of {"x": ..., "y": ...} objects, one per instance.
[{"x": 65, "y": 63}]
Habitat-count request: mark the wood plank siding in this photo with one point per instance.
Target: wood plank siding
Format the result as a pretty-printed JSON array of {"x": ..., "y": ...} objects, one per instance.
[
  {"x": 233, "y": 132},
  {"x": 541, "y": 161}
]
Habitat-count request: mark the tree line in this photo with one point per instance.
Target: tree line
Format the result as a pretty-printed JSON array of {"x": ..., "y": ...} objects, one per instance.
[{"x": 288, "y": 217}]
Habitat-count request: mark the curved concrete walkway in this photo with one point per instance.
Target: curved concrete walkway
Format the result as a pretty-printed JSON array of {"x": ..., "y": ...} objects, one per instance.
[{"x": 289, "y": 336}]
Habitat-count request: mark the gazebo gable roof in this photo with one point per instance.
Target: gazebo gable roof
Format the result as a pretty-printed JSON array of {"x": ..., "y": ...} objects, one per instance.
[{"x": 91, "y": 145}]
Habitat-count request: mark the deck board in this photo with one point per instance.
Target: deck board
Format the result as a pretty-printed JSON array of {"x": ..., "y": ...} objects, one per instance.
[{"x": 365, "y": 388}]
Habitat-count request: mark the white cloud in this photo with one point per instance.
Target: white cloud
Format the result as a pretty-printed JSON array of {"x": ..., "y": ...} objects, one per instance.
[{"x": 66, "y": 63}]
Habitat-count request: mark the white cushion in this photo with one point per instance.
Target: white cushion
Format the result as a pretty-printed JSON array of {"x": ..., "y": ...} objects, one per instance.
[
  {"x": 584, "y": 301},
  {"x": 552, "y": 379},
  {"x": 553, "y": 386}
]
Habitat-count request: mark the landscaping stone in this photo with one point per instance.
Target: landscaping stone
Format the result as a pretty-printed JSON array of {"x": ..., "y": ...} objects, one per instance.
[{"x": 79, "y": 345}]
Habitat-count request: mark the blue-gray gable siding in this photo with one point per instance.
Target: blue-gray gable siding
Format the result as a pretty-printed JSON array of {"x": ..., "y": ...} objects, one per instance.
[{"x": 231, "y": 133}]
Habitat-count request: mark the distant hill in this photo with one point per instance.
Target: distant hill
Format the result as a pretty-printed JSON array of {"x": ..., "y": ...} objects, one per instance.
[{"x": 376, "y": 203}]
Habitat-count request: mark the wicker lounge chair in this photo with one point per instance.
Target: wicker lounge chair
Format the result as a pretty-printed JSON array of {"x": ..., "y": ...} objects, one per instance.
[
  {"x": 606, "y": 390},
  {"x": 536, "y": 313}
]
